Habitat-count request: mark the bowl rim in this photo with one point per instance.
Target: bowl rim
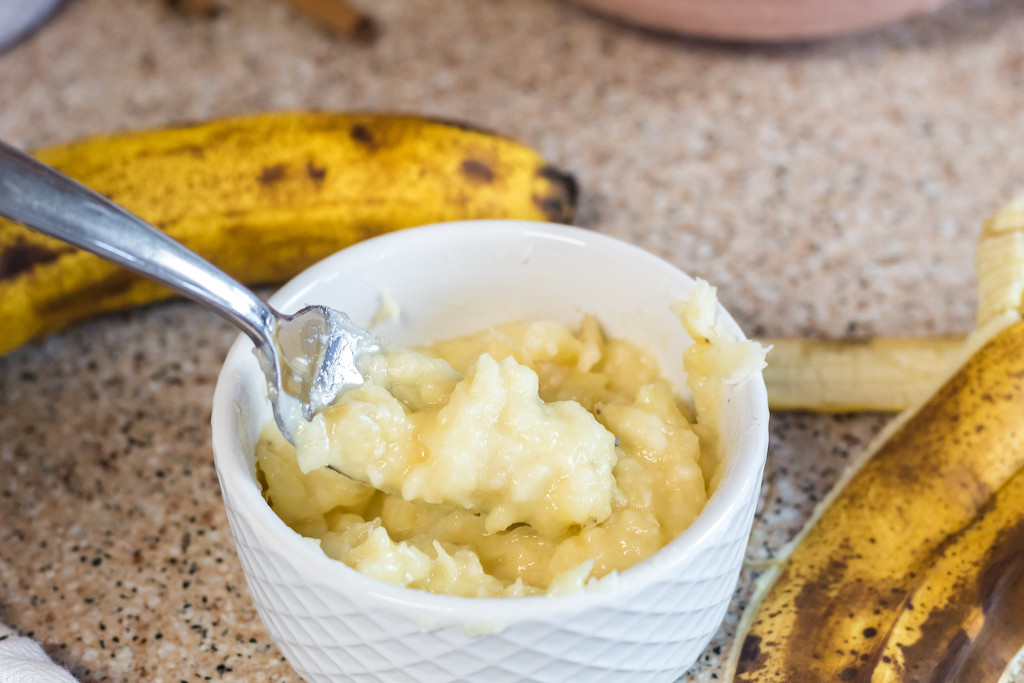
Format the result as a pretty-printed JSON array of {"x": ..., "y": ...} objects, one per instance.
[{"x": 237, "y": 483}]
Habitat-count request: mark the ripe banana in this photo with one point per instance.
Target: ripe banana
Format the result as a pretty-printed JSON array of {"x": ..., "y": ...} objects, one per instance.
[
  {"x": 927, "y": 526},
  {"x": 265, "y": 196}
]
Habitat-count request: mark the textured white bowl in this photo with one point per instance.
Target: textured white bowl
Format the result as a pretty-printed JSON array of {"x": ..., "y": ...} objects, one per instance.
[{"x": 334, "y": 624}]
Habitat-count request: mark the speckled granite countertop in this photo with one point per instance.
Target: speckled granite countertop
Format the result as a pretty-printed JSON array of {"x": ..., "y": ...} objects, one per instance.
[{"x": 827, "y": 189}]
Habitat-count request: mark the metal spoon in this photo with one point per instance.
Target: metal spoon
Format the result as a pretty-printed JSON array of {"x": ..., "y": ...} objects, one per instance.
[{"x": 308, "y": 357}]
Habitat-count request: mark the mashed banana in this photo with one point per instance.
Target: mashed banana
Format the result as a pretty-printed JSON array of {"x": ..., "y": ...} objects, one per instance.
[
  {"x": 521, "y": 460},
  {"x": 484, "y": 442}
]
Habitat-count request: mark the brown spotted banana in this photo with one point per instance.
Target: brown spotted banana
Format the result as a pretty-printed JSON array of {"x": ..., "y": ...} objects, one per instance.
[{"x": 265, "y": 196}]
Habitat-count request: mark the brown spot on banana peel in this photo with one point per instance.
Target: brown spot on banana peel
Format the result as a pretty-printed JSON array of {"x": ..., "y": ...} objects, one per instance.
[
  {"x": 553, "y": 208},
  {"x": 564, "y": 180},
  {"x": 189, "y": 150},
  {"x": 813, "y": 597},
  {"x": 362, "y": 135},
  {"x": 271, "y": 175},
  {"x": 462, "y": 125},
  {"x": 558, "y": 204},
  {"x": 106, "y": 291},
  {"x": 23, "y": 257},
  {"x": 751, "y": 657},
  {"x": 94, "y": 297},
  {"x": 477, "y": 171},
  {"x": 316, "y": 173},
  {"x": 194, "y": 151}
]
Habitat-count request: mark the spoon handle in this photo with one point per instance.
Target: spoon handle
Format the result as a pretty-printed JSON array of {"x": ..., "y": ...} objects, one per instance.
[{"x": 45, "y": 200}]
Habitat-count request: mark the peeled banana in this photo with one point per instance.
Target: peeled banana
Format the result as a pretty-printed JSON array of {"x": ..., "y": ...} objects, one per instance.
[
  {"x": 885, "y": 374},
  {"x": 998, "y": 258},
  {"x": 913, "y": 567},
  {"x": 265, "y": 196},
  {"x": 895, "y": 373}
]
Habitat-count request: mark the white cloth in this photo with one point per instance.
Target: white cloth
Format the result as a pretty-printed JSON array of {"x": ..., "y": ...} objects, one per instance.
[
  {"x": 18, "y": 17},
  {"x": 23, "y": 661}
]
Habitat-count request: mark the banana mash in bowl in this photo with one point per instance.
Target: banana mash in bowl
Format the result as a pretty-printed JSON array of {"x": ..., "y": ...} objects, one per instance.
[{"x": 541, "y": 467}]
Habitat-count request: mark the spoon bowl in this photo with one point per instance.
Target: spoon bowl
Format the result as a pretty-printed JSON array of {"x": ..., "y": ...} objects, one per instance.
[{"x": 316, "y": 353}]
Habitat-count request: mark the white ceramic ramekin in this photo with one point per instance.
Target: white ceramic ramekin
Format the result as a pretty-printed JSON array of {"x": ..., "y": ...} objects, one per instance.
[{"x": 334, "y": 624}]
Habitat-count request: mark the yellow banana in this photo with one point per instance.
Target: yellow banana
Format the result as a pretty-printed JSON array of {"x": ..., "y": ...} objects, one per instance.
[
  {"x": 265, "y": 196},
  {"x": 886, "y": 541}
]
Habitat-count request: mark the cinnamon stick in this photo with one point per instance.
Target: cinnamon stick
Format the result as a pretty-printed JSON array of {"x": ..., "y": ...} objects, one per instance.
[
  {"x": 341, "y": 18},
  {"x": 195, "y": 8}
]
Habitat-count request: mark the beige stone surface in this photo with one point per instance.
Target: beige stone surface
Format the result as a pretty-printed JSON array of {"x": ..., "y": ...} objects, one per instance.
[{"x": 827, "y": 189}]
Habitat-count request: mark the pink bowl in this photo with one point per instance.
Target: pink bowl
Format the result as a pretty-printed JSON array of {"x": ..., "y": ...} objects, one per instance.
[{"x": 762, "y": 20}]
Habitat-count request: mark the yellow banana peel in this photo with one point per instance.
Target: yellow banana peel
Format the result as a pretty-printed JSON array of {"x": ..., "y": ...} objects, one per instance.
[
  {"x": 912, "y": 568},
  {"x": 955, "y": 630},
  {"x": 265, "y": 196},
  {"x": 821, "y": 611}
]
